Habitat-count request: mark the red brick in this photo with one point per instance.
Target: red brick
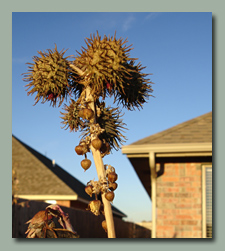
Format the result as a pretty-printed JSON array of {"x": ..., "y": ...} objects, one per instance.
[
  {"x": 183, "y": 205},
  {"x": 172, "y": 189},
  {"x": 168, "y": 200},
  {"x": 197, "y": 178},
  {"x": 196, "y": 195},
  {"x": 197, "y": 217},
  {"x": 189, "y": 222},
  {"x": 197, "y": 234},
  {"x": 165, "y": 228},
  {"x": 196, "y": 184},
  {"x": 182, "y": 195},
  {"x": 172, "y": 222},
  {"x": 171, "y": 211},
  {"x": 170, "y": 179},
  {"x": 197, "y": 206},
  {"x": 185, "y": 234},
  {"x": 165, "y": 216},
  {"x": 183, "y": 228},
  {"x": 197, "y": 228},
  {"x": 188, "y": 211},
  {"x": 187, "y": 179},
  {"x": 183, "y": 217},
  {"x": 182, "y": 184},
  {"x": 164, "y": 184},
  {"x": 186, "y": 200}
]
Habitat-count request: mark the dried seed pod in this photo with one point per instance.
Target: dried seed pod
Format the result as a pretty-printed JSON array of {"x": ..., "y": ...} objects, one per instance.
[
  {"x": 113, "y": 186},
  {"x": 49, "y": 76},
  {"x": 104, "y": 226},
  {"x": 79, "y": 150},
  {"x": 94, "y": 206},
  {"x": 81, "y": 113},
  {"x": 89, "y": 190},
  {"x": 88, "y": 113},
  {"x": 105, "y": 148},
  {"x": 85, "y": 163},
  {"x": 112, "y": 177},
  {"x": 96, "y": 143},
  {"x": 110, "y": 196}
]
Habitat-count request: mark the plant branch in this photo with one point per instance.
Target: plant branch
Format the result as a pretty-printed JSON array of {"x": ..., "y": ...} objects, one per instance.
[
  {"x": 101, "y": 175},
  {"x": 78, "y": 70}
]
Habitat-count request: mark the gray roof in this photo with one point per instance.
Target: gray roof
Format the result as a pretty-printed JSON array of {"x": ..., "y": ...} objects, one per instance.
[
  {"x": 197, "y": 130},
  {"x": 37, "y": 175}
]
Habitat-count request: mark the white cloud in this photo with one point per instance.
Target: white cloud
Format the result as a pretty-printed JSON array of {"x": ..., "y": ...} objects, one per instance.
[
  {"x": 21, "y": 60},
  {"x": 128, "y": 22},
  {"x": 151, "y": 15}
]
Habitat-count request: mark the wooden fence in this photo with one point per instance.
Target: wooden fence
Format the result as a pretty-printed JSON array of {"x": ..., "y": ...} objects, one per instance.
[{"x": 85, "y": 223}]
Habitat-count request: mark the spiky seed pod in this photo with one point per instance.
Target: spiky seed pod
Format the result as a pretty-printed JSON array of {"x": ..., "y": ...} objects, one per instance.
[
  {"x": 49, "y": 76},
  {"x": 113, "y": 186},
  {"x": 71, "y": 117},
  {"x": 104, "y": 226},
  {"x": 89, "y": 190},
  {"x": 137, "y": 90},
  {"x": 110, "y": 120},
  {"x": 85, "y": 163},
  {"x": 112, "y": 177},
  {"x": 96, "y": 143},
  {"x": 107, "y": 64},
  {"x": 103, "y": 61},
  {"x": 110, "y": 196}
]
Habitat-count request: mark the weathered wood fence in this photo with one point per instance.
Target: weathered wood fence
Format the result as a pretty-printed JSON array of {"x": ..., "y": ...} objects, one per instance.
[{"x": 85, "y": 223}]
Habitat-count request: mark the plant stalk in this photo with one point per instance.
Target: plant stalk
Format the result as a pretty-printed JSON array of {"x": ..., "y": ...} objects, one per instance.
[{"x": 101, "y": 174}]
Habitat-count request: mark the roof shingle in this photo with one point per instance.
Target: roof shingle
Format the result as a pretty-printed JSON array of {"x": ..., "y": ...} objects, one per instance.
[
  {"x": 37, "y": 175},
  {"x": 197, "y": 130}
]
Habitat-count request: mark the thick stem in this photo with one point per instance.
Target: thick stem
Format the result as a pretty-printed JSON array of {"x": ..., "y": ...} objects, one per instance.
[{"x": 101, "y": 175}]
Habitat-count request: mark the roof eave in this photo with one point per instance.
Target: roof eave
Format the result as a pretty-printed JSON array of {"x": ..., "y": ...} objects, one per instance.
[{"x": 168, "y": 148}]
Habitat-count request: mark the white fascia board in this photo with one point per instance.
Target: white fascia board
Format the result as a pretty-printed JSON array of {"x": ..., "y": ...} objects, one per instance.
[
  {"x": 165, "y": 148},
  {"x": 47, "y": 197}
]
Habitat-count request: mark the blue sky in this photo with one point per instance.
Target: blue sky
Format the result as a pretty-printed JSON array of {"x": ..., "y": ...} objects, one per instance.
[{"x": 176, "y": 49}]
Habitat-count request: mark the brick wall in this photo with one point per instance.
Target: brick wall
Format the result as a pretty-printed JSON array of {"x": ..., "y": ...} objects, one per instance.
[{"x": 179, "y": 201}]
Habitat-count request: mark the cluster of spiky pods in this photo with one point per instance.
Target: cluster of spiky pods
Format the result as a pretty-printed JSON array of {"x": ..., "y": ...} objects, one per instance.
[{"x": 103, "y": 69}]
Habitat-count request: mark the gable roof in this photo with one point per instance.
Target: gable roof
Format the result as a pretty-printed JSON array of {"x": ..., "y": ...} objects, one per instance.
[
  {"x": 197, "y": 130},
  {"x": 38, "y": 176}
]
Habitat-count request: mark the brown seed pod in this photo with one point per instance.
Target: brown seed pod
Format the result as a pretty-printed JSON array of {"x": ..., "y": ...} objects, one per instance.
[
  {"x": 96, "y": 143},
  {"x": 81, "y": 113},
  {"x": 87, "y": 113},
  {"x": 85, "y": 163},
  {"x": 105, "y": 148},
  {"x": 89, "y": 190},
  {"x": 104, "y": 225},
  {"x": 79, "y": 150},
  {"x": 112, "y": 177},
  {"x": 110, "y": 196},
  {"x": 94, "y": 206},
  {"x": 113, "y": 186}
]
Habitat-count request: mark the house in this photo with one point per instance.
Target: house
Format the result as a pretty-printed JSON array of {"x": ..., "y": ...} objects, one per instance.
[
  {"x": 175, "y": 168},
  {"x": 40, "y": 179}
]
